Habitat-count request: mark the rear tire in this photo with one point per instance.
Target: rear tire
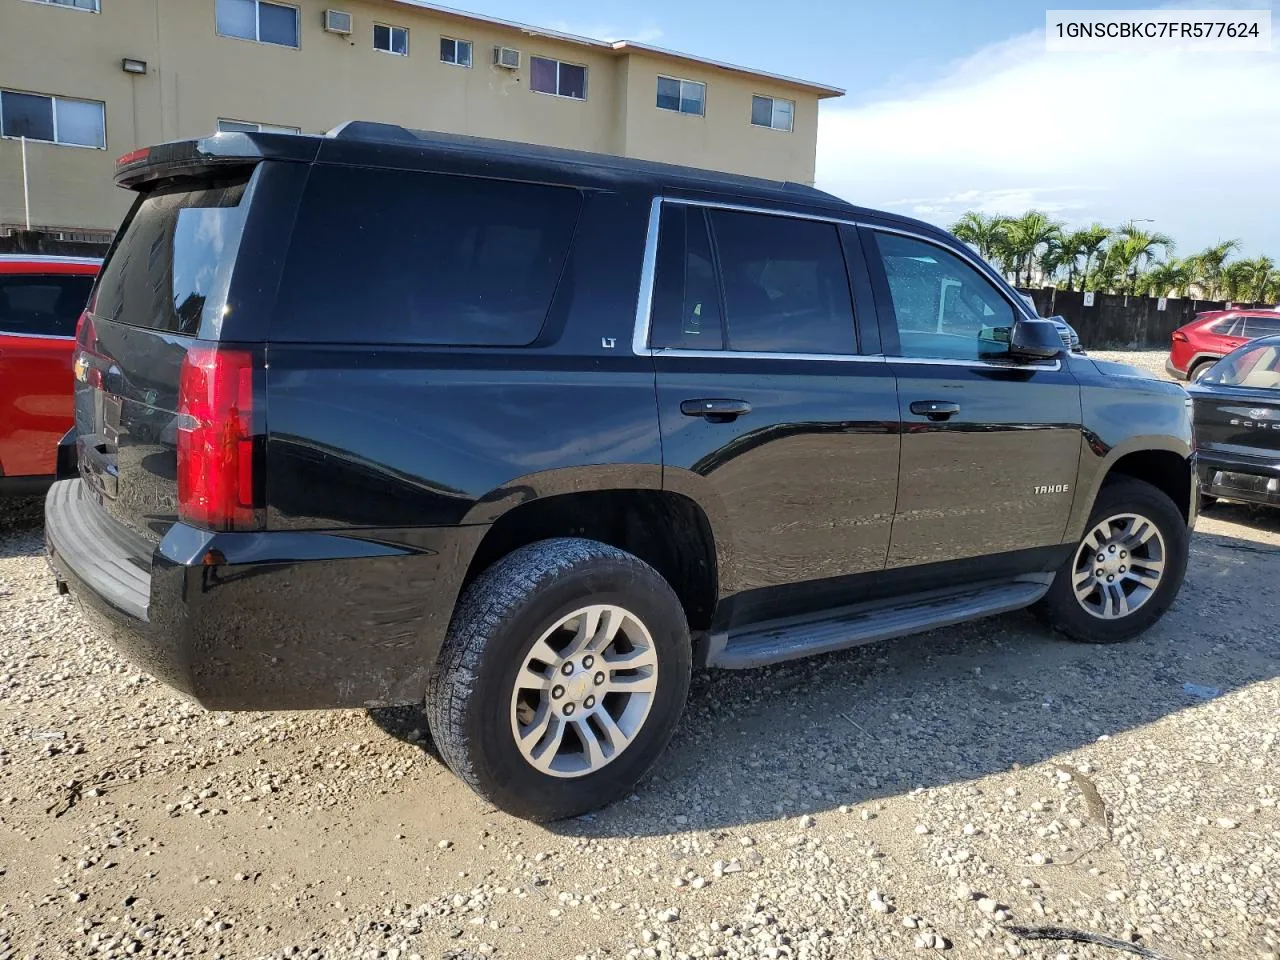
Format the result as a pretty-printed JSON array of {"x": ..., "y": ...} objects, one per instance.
[
  {"x": 1198, "y": 370},
  {"x": 1143, "y": 541},
  {"x": 531, "y": 701}
]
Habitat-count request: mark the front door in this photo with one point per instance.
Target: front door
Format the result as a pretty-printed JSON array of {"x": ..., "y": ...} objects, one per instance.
[
  {"x": 990, "y": 448},
  {"x": 768, "y": 411}
]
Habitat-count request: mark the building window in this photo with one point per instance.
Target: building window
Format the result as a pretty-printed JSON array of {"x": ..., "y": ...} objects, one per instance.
[
  {"x": 558, "y": 79},
  {"x": 79, "y": 123},
  {"x": 93, "y": 6},
  {"x": 682, "y": 96},
  {"x": 457, "y": 52},
  {"x": 243, "y": 126},
  {"x": 258, "y": 20},
  {"x": 391, "y": 39},
  {"x": 772, "y": 112}
]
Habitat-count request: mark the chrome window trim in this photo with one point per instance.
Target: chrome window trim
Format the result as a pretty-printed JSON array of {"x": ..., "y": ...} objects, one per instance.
[
  {"x": 644, "y": 305},
  {"x": 757, "y": 355}
]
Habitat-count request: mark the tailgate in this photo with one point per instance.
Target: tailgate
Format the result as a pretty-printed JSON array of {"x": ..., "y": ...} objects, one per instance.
[{"x": 165, "y": 287}]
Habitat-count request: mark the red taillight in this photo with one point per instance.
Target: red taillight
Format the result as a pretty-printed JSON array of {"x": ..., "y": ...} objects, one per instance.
[
  {"x": 84, "y": 359},
  {"x": 216, "y": 439},
  {"x": 133, "y": 156},
  {"x": 1179, "y": 337}
]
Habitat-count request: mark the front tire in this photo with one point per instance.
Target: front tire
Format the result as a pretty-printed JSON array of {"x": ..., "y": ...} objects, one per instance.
[
  {"x": 1126, "y": 570},
  {"x": 561, "y": 680}
]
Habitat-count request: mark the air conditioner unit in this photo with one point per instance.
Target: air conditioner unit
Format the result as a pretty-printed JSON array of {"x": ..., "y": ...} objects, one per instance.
[
  {"x": 337, "y": 21},
  {"x": 506, "y": 57}
]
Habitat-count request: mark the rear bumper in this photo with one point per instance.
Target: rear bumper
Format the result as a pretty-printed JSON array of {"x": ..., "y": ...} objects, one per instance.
[
  {"x": 264, "y": 621},
  {"x": 1173, "y": 371},
  {"x": 1235, "y": 477}
]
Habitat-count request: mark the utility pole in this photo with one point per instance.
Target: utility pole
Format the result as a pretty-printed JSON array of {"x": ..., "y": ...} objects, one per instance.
[{"x": 26, "y": 187}]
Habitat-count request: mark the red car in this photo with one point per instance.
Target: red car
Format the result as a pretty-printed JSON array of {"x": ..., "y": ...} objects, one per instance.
[
  {"x": 1208, "y": 338},
  {"x": 41, "y": 299}
]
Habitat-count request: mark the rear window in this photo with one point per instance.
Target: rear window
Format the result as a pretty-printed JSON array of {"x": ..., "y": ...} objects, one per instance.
[
  {"x": 42, "y": 305},
  {"x": 171, "y": 266},
  {"x": 400, "y": 257}
]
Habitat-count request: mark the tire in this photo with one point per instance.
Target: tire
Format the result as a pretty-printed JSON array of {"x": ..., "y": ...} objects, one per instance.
[
  {"x": 1198, "y": 370},
  {"x": 475, "y": 710},
  {"x": 1064, "y": 612}
]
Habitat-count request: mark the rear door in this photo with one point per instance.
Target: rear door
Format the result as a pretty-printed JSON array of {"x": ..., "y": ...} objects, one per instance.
[
  {"x": 38, "y": 313},
  {"x": 990, "y": 448},
  {"x": 770, "y": 413}
]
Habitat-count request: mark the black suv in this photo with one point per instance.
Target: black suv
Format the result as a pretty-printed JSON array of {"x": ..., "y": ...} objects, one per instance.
[{"x": 385, "y": 416}]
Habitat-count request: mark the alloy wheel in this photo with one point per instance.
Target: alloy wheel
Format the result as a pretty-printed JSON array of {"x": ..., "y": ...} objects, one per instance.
[
  {"x": 1119, "y": 566},
  {"x": 584, "y": 691}
]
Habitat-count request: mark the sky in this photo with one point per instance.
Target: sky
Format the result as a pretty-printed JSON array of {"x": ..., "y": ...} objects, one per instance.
[{"x": 954, "y": 106}]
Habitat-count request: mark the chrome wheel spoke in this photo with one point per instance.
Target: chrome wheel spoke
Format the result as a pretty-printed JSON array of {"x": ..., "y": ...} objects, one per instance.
[
  {"x": 531, "y": 679},
  {"x": 1116, "y": 602},
  {"x": 1084, "y": 583},
  {"x": 1140, "y": 533},
  {"x": 1146, "y": 577},
  {"x": 646, "y": 682},
  {"x": 632, "y": 660},
  {"x": 590, "y": 743},
  {"x": 612, "y": 732}
]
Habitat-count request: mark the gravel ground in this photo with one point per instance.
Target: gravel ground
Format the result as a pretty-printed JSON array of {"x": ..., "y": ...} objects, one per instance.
[{"x": 893, "y": 801}]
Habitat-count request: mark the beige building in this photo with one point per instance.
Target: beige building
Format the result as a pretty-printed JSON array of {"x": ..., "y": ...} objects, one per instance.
[{"x": 88, "y": 80}]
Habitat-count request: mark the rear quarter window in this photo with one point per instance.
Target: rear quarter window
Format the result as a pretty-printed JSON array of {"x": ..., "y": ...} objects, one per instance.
[
  {"x": 384, "y": 257},
  {"x": 171, "y": 266},
  {"x": 42, "y": 305}
]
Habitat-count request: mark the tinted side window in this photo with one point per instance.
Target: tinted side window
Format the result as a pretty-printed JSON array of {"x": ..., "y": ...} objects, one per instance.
[
  {"x": 384, "y": 256},
  {"x": 785, "y": 285},
  {"x": 943, "y": 307},
  {"x": 1255, "y": 327},
  {"x": 686, "y": 297},
  {"x": 1225, "y": 327},
  {"x": 42, "y": 305}
]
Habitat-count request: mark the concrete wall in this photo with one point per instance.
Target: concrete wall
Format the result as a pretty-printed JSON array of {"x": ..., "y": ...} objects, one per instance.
[
  {"x": 1118, "y": 322},
  {"x": 196, "y": 77}
]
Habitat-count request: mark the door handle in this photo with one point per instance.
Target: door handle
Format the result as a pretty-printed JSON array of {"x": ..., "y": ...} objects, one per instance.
[
  {"x": 935, "y": 410},
  {"x": 715, "y": 411}
]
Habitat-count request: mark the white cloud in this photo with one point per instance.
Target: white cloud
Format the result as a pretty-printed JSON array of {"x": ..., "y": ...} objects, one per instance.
[
  {"x": 609, "y": 32},
  {"x": 1191, "y": 140}
]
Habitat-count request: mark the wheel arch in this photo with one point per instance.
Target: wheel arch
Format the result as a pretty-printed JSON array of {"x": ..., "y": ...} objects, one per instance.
[
  {"x": 668, "y": 530},
  {"x": 1164, "y": 462}
]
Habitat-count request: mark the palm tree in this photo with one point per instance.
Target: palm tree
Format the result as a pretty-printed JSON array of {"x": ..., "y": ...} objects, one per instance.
[
  {"x": 1092, "y": 240},
  {"x": 1138, "y": 248},
  {"x": 1026, "y": 236},
  {"x": 1261, "y": 275},
  {"x": 1206, "y": 266},
  {"x": 1070, "y": 248},
  {"x": 1169, "y": 278},
  {"x": 980, "y": 232},
  {"x": 1235, "y": 280}
]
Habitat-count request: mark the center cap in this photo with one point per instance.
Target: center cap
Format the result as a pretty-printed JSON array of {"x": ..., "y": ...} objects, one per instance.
[{"x": 577, "y": 686}]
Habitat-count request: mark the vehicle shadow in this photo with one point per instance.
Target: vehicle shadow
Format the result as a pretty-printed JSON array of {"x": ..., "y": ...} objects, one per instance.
[{"x": 944, "y": 707}]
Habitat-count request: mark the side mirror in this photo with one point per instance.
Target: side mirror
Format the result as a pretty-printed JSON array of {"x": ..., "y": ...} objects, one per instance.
[{"x": 1035, "y": 340}]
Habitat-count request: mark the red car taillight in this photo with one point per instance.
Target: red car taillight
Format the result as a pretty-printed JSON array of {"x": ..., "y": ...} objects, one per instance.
[
  {"x": 216, "y": 439},
  {"x": 1179, "y": 337},
  {"x": 83, "y": 359}
]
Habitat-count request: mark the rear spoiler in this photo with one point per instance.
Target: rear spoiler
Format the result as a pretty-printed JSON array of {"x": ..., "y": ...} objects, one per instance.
[{"x": 192, "y": 158}]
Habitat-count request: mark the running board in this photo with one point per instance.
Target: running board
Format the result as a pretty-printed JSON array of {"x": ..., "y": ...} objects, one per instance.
[{"x": 773, "y": 641}]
